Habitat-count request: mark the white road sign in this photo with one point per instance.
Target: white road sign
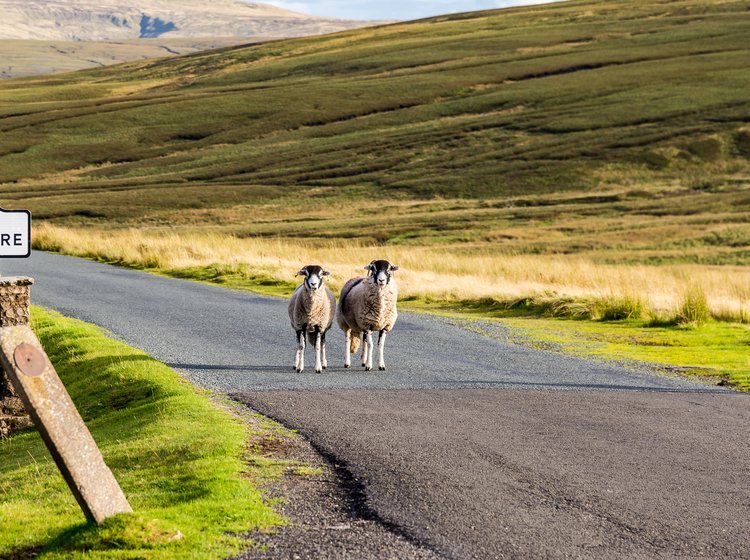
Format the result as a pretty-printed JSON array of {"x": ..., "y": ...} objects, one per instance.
[{"x": 15, "y": 233}]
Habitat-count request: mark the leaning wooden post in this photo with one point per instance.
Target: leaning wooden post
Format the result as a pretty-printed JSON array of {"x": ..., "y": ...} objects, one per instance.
[{"x": 55, "y": 416}]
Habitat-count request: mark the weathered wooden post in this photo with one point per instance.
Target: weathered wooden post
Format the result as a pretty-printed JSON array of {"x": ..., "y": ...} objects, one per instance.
[{"x": 34, "y": 380}]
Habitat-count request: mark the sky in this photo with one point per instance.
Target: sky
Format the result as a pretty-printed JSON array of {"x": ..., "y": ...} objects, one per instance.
[{"x": 392, "y": 9}]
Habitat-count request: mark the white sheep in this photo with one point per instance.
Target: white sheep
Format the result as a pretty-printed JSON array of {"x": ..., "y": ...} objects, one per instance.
[
  {"x": 311, "y": 310},
  {"x": 368, "y": 304}
]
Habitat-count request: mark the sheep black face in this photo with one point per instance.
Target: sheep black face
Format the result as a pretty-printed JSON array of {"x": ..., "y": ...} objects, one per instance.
[
  {"x": 381, "y": 272},
  {"x": 313, "y": 276}
]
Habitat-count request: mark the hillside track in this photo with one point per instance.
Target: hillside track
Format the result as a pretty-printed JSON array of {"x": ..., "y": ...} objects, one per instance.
[{"x": 470, "y": 446}]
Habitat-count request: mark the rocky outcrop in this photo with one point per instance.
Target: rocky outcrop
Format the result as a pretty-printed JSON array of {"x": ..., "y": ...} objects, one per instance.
[{"x": 113, "y": 20}]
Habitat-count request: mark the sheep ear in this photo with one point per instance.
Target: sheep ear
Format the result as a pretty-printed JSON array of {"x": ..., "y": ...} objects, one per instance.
[
  {"x": 368, "y": 267},
  {"x": 302, "y": 272},
  {"x": 394, "y": 267},
  {"x": 325, "y": 273}
]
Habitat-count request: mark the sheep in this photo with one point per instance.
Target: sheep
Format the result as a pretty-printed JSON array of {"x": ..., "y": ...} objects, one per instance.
[
  {"x": 368, "y": 304},
  {"x": 311, "y": 310}
]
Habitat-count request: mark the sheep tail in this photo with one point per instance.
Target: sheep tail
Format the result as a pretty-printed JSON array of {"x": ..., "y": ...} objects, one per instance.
[{"x": 354, "y": 344}]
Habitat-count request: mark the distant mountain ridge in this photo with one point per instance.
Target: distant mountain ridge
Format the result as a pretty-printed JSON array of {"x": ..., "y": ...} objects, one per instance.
[{"x": 116, "y": 20}]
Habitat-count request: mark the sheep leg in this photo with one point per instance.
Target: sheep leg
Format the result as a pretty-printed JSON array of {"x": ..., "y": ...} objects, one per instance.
[
  {"x": 348, "y": 355},
  {"x": 318, "y": 351},
  {"x": 296, "y": 352},
  {"x": 363, "y": 356},
  {"x": 368, "y": 366},
  {"x": 381, "y": 347},
  {"x": 325, "y": 360},
  {"x": 301, "y": 350}
]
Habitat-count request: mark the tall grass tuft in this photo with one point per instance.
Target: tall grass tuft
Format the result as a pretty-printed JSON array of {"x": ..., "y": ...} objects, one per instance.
[
  {"x": 694, "y": 310},
  {"x": 619, "y": 307},
  {"x": 726, "y": 315},
  {"x": 580, "y": 308}
]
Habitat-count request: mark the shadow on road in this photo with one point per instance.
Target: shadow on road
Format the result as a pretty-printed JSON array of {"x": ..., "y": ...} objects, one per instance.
[
  {"x": 604, "y": 386},
  {"x": 220, "y": 367}
]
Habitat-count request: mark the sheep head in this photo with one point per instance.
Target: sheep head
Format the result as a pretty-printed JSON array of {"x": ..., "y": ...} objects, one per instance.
[
  {"x": 380, "y": 272},
  {"x": 314, "y": 276}
]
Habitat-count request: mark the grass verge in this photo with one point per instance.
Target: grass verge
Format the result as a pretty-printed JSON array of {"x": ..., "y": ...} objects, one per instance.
[
  {"x": 715, "y": 351},
  {"x": 182, "y": 461}
]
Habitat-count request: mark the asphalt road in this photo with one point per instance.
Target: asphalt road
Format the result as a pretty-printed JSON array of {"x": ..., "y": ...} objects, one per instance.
[{"x": 471, "y": 446}]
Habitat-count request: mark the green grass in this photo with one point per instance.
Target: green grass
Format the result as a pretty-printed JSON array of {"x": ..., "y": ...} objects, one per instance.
[
  {"x": 614, "y": 128},
  {"x": 714, "y": 351},
  {"x": 717, "y": 352},
  {"x": 183, "y": 462},
  {"x": 232, "y": 276}
]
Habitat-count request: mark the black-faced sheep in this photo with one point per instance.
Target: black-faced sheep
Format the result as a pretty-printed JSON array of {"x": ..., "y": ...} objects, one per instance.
[
  {"x": 311, "y": 310},
  {"x": 368, "y": 304}
]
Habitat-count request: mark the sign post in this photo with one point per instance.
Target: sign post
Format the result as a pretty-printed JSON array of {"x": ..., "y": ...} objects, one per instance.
[
  {"x": 35, "y": 382},
  {"x": 15, "y": 234},
  {"x": 15, "y": 243}
]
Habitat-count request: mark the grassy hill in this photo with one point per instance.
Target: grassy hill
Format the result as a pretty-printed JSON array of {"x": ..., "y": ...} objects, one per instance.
[
  {"x": 516, "y": 101},
  {"x": 523, "y": 101},
  {"x": 585, "y": 158}
]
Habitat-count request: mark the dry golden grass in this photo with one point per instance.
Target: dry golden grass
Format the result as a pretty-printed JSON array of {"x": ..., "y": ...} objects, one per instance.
[{"x": 444, "y": 273}]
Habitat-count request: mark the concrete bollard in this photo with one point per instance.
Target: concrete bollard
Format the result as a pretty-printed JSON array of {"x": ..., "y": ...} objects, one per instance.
[{"x": 34, "y": 381}]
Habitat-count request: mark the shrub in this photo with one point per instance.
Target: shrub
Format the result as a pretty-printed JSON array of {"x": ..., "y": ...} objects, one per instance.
[
  {"x": 707, "y": 149},
  {"x": 619, "y": 308},
  {"x": 742, "y": 143},
  {"x": 573, "y": 308},
  {"x": 652, "y": 160},
  {"x": 694, "y": 309}
]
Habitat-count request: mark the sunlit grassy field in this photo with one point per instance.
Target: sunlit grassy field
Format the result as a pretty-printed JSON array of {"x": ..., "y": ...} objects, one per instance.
[{"x": 560, "y": 285}]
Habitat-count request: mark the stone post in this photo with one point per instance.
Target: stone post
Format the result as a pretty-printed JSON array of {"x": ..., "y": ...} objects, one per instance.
[{"x": 14, "y": 311}]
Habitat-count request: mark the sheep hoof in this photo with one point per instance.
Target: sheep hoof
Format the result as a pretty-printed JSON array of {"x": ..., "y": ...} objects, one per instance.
[
  {"x": 299, "y": 370},
  {"x": 325, "y": 367},
  {"x": 347, "y": 366},
  {"x": 381, "y": 368},
  {"x": 318, "y": 371},
  {"x": 368, "y": 368}
]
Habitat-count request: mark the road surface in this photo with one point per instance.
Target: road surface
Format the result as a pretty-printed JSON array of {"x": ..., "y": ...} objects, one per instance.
[{"x": 470, "y": 446}]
